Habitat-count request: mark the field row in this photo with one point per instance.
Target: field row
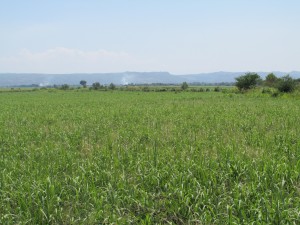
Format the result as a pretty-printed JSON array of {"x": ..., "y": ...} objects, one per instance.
[{"x": 148, "y": 157}]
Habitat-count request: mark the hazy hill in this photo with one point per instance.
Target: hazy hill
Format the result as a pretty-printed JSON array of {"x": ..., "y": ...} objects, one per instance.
[{"x": 18, "y": 79}]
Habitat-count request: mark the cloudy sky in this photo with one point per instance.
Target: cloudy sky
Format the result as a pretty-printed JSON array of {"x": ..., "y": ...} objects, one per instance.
[{"x": 179, "y": 36}]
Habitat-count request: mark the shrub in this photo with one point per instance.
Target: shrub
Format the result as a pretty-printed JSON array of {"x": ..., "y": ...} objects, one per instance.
[
  {"x": 65, "y": 87},
  {"x": 286, "y": 84},
  {"x": 184, "y": 86},
  {"x": 96, "y": 86},
  {"x": 217, "y": 89},
  {"x": 275, "y": 94},
  {"x": 271, "y": 80},
  {"x": 247, "y": 81},
  {"x": 112, "y": 86}
]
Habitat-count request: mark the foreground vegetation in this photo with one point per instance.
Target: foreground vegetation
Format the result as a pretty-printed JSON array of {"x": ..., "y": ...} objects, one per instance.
[{"x": 92, "y": 157}]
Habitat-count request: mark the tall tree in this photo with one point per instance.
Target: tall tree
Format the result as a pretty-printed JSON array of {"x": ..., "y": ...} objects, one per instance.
[{"x": 83, "y": 83}]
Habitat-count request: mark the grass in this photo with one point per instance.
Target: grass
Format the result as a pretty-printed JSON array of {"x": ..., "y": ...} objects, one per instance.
[{"x": 148, "y": 158}]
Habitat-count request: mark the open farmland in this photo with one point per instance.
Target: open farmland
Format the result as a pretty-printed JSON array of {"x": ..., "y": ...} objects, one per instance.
[{"x": 91, "y": 157}]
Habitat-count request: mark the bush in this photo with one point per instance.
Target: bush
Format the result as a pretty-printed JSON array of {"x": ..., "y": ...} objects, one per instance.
[
  {"x": 275, "y": 94},
  {"x": 65, "y": 87},
  {"x": 112, "y": 86},
  {"x": 184, "y": 86},
  {"x": 247, "y": 81},
  {"x": 160, "y": 89},
  {"x": 96, "y": 86},
  {"x": 271, "y": 80},
  {"x": 286, "y": 84},
  {"x": 217, "y": 89}
]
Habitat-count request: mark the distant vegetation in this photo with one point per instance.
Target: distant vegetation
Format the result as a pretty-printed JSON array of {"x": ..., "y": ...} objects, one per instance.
[
  {"x": 249, "y": 81},
  {"x": 184, "y": 86},
  {"x": 285, "y": 84},
  {"x": 83, "y": 83},
  {"x": 126, "y": 78}
]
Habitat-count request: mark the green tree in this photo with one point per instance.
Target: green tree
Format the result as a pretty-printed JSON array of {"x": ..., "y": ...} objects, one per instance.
[
  {"x": 112, "y": 86},
  {"x": 286, "y": 84},
  {"x": 184, "y": 86},
  {"x": 247, "y": 81},
  {"x": 271, "y": 80},
  {"x": 83, "y": 83},
  {"x": 96, "y": 86}
]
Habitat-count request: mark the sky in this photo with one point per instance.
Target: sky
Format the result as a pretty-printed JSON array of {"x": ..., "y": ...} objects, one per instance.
[{"x": 178, "y": 36}]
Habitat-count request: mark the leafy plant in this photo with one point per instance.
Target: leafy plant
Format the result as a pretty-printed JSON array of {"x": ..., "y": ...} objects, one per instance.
[
  {"x": 184, "y": 86},
  {"x": 83, "y": 83},
  {"x": 247, "y": 81},
  {"x": 286, "y": 84},
  {"x": 131, "y": 157}
]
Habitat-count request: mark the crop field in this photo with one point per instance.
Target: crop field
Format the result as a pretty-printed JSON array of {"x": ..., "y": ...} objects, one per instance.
[{"x": 120, "y": 157}]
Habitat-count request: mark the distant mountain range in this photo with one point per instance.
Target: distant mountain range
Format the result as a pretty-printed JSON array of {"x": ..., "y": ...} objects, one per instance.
[{"x": 21, "y": 79}]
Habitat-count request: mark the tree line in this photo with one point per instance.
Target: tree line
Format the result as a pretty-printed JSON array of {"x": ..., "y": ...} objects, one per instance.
[
  {"x": 112, "y": 86},
  {"x": 251, "y": 80},
  {"x": 244, "y": 82}
]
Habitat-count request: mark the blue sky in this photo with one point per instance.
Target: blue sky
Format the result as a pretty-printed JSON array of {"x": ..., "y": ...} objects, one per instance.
[{"x": 191, "y": 36}]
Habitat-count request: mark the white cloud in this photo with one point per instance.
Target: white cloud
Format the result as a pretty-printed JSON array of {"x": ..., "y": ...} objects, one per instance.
[{"x": 66, "y": 60}]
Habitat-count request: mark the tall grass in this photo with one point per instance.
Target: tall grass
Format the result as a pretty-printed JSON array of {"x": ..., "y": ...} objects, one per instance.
[{"x": 146, "y": 158}]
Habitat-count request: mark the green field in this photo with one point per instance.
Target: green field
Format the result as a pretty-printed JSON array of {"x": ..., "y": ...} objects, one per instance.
[{"x": 90, "y": 157}]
